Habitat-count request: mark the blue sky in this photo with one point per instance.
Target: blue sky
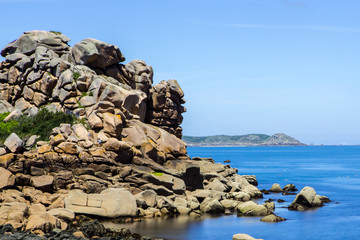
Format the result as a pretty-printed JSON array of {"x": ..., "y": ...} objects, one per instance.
[{"x": 246, "y": 66}]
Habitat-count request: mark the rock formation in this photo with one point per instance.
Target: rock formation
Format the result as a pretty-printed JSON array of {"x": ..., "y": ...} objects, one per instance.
[
  {"x": 126, "y": 158},
  {"x": 86, "y": 80},
  {"x": 307, "y": 199}
]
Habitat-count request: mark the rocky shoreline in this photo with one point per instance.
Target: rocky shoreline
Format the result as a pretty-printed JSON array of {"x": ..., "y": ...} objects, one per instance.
[{"x": 124, "y": 159}]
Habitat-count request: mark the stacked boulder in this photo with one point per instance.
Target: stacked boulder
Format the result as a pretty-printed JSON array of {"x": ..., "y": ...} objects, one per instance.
[
  {"x": 87, "y": 80},
  {"x": 165, "y": 107},
  {"x": 128, "y": 158},
  {"x": 25, "y": 78},
  {"x": 307, "y": 199}
]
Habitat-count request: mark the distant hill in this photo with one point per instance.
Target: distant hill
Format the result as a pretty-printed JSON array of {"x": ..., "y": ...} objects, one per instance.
[{"x": 279, "y": 139}]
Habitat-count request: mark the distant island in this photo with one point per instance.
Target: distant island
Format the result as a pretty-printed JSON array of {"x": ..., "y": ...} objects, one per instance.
[{"x": 278, "y": 139}]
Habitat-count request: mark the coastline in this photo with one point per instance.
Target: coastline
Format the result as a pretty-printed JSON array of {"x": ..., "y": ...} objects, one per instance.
[
  {"x": 122, "y": 159},
  {"x": 305, "y": 145}
]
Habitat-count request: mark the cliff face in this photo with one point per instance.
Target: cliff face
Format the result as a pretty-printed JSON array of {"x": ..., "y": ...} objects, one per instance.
[{"x": 88, "y": 80}]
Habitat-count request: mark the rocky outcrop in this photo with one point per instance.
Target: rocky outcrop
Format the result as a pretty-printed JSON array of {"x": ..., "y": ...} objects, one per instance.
[
  {"x": 87, "y": 80},
  {"x": 164, "y": 108},
  {"x": 125, "y": 158},
  {"x": 307, "y": 199}
]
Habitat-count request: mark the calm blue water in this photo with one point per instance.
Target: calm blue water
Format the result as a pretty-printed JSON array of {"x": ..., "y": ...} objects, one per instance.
[{"x": 331, "y": 171}]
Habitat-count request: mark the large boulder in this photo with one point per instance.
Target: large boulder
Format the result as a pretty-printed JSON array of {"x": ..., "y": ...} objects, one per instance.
[
  {"x": 62, "y": 213},
  {"x": 307, "y": 198},
  {"x": 275, "y": 188},
  {"x": 147, "y": 197},
  {"x": 45, "y": 222},
  {"x": 272, "y": 218},
  {"x": 142, "y": 75},
  {"x": 13, "y": 213},
  {"x": 140, "y": 134},
  {"x": 6, "y": 159},
  {"x": 229, "y": 204},
  {"x": 29, "y": 41},
  {"x": 216, "y": 185},
  {"x": 111, "y": 203},
  {"x": 211, "y": 205},
  {"x": 7, "y": 179},
  {"x": 165, "y": 203},
  {"x": 252, "y": 209},
  {"x": 44, "y": 182},
  {"x": 14, "y": 143},
  {"x": 95, "y": 53},
  {"x": 253, "y": 191},
  {"x": 122, "y": 96},
  {"x": 5, "y": 106}
]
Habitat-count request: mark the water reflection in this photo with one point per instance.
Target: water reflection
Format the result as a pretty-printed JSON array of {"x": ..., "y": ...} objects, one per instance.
[{"x": 165, "y": 227}]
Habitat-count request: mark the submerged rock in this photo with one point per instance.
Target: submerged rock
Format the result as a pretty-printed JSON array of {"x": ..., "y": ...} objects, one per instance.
[
  {"x": 272, "y": 218},
  {"x": 275, "y": 188},
  {"x": 290, "y": 188}
]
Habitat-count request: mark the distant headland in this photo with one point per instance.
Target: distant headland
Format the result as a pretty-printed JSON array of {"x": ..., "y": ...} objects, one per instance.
[{"x": 278, "y": 139}]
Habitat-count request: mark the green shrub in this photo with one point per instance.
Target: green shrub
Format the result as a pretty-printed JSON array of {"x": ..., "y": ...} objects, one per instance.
[
  {"x": 6, "y": 128},
  {"x": 41, "y": 124}
]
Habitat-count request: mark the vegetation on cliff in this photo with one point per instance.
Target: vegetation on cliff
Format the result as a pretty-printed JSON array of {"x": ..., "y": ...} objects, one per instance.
[{"x": 40, "y": 124}]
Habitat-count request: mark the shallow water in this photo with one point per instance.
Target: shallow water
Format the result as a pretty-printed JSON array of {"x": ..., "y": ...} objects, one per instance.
[{"x": 333, "y": 171}]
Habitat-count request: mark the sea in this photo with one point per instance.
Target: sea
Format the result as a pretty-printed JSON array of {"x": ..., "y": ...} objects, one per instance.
[{"x": 333, "y": 171}]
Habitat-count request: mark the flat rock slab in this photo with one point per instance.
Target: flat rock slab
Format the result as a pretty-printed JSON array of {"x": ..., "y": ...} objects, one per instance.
[
  {"x": 44, "y": 182},
  {"x": 111, "y": 203}
]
